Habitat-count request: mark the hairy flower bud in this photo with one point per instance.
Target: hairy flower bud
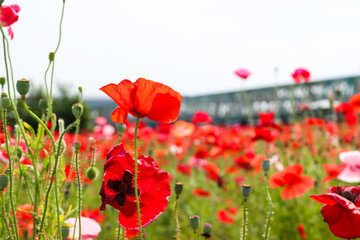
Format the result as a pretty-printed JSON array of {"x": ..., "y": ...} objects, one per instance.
[
  {"x": 43, "y": 105},
  {"x": 4, "y": 180},
  {"x": 77, "y": 110},
  {"x": 120, "y": 128},
  {"x": 77, "y": 145},
  {"x": 207, "y": 231},
  {"x": 23, "y": 86},
  {"x": 2, "y": 81},
  {"x": 92, "y": 173},
  {"x": 5, "y": 101},
  {"x": 194, "y": 222},
  {"x": 65, "y": 230},
  {"x": 18, "y": 152},
  {"x": 51, "y": 56}
]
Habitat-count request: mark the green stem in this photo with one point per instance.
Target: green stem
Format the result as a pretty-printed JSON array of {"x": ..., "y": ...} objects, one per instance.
[
  {"x": 11, "y": 174},
  {"x": 6, "y": 64},
  {"x": 79, "y": 191},
  {"x": 3, "y": 215},
  {"x": 244, "y": 221},
  {"x": 53, "y": 174},
  {"x": 57, "y": 206},
  {"x": 177, "y": 218},
  {"x": 136, "y": 176},
  {"x": 267, "y": 228}
]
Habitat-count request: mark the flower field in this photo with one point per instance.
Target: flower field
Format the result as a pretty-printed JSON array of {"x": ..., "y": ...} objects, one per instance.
[{"x": 129, "y": 178}]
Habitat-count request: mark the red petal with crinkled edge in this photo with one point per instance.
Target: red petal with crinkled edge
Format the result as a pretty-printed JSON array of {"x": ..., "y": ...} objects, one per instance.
[
  {"x": 153, "y": 185},
  {"x": 154, "y": 194},
  {"x": 120, "y": 93},
  {"x": 334, "y": 199},
  {"x": 343, "y": 223},
  {"x": 119, "y": 115}
]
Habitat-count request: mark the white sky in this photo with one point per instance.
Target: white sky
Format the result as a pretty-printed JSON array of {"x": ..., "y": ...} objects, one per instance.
[{"x": 194, "y": 46}]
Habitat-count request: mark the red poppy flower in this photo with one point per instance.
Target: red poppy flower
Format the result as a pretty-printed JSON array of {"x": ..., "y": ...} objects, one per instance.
[
  {"x": 344, "y": 108},
  {"x": 301, "y": 231},
  {"x": 118, "y": 188},
  {"x": 224, "y": 217},
  {"x": 243, "y": 73},
  {"x": 341, "y": 210},
  {"x": 201, "y": 192},
  {"x": 332, "y": 170},
  {"x": 147, "y": 98},
  {"x": 301, "y": 75},
  {"x": 295, "y": 184},
  {"x": 201, "y": 117},
  {"x": 354, "y": 101},
  {"x": 266, "y": 118},
  {"x": 8, "y": 16}
]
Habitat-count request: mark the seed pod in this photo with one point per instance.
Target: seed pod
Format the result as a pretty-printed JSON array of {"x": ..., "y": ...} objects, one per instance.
[
  {"x": 23, "y": 86},
  {"x": 194, "y": 222}
]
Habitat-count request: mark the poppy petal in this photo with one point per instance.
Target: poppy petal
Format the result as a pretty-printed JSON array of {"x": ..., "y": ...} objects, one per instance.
[
  {"x": 119, "y": 115},
  {"x": 120, "y": 93}
]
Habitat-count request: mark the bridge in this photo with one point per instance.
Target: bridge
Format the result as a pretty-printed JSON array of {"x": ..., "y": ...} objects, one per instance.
[{"x": 233, "y": 107}]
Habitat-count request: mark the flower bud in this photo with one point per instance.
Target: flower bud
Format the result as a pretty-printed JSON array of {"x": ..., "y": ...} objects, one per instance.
[
  {"x": 5, "y": 101},
  {"x": 245, "y": 191},
  {"x": 77, "y": 145},
  {"x": 7, "y": 171},
  {"x": 92, "y": 173},
  {"x": 2, "y": 81},
  {"x": 178, "y": 188},
  {"x": 207, "y": 231},
  {"x": 18, "y": 152},
  {"x": 43, "y": 105},
  {"x": 194, "y": 222},
  {"x": 65, "y": 230},
  {"x": 77, "y": 110},
  {"x": 4, "y": 180},
  {"x": 80, "y": 89},
  {"x": 265, "y": 165},
  {"x": 23, "y": 86},
  {"x": 120, "y": 128},
  {"x": 51, "y": 56}
]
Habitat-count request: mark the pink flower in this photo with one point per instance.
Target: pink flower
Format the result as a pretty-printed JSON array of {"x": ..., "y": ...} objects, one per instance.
[
  {"x": 351, "y": 172},
  {"x": 301, "y": 75},
  {"x": 243, "y": 73},
  {"x": 90, "y": 229},
  {"x": 8, "y": 16}
]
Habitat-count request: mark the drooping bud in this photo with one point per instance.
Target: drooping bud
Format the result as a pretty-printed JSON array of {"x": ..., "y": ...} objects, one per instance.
[
  {"x": 194, "y": 222},
  {"x": 92, "y": 173},
  {"x": 80, "y": 89},
  {"x": 43, "y": 105},
  {"x": 23, "y": 86},
  {"x": 5, "y": 101},
  {"x": 77, "y": 110},
  {"x": 65, "y": 231},
  {"x": 2, "y": 79},
  {"x": 245, "y": 191},
  {"x": 178, "y": 188},
  {"x": 51, "y": 56},
  {"x": 4, "y": 181},
  {"x": 207, "y": 231},
  {"x": 18, "y": 152},
  {"x": 265, "y": 165},
  {"x": 77, "y": 145}
]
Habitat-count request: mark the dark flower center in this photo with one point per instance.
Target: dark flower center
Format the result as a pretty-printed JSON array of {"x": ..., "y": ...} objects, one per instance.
[
  {"x": 349, "y": 196},
  {"x": 123, "y": 187}
]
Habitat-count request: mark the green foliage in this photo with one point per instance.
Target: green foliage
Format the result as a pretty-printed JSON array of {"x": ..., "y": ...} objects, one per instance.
[{"x": 61, "y": 107}]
